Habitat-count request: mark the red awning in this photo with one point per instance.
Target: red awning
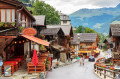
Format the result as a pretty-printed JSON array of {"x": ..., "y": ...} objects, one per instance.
[{"x": 37, "y": 40}]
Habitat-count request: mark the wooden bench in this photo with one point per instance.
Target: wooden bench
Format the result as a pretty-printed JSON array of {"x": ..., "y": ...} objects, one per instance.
[{"x": 39, "y": 68}]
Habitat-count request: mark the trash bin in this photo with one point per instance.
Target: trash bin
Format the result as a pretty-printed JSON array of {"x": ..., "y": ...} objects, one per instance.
[{"x": 7, "y": 70}]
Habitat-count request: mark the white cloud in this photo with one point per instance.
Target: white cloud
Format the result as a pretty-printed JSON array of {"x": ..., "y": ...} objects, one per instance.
[
  {"x": 69, "y": 6},
  {"x": 98, "y": 25},
  {"x": 85, "y": 24}
]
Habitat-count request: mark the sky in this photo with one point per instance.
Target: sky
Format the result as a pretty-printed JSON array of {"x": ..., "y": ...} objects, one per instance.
[{"x": 70, "y": 6}]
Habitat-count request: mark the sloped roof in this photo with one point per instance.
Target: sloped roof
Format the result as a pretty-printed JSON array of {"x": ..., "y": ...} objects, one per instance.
[
  {"x": 18, "y": 4},
  {"x": 50, "y": 31},
  {"x": 66, "y": 28},
  {"x": 88, "y": 37},
  {"x": 114, "y": 30},
  {"x": 107, "y": 40},
  {"x": 40, "y": 20},
  {"x": 76, "y": 39},
  {"x": 85, "y": 37}
]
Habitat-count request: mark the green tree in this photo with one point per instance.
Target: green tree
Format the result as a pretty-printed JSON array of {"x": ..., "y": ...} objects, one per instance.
[
  {"x": 79, "y": 29},
  {"x": 41, "y": 8},
  {"x": 88, "y": 30},
  {"x": 24, "y": 1}
]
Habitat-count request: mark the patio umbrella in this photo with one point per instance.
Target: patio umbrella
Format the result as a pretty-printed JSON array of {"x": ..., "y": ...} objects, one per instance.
[{"x": 35, "y": 59}]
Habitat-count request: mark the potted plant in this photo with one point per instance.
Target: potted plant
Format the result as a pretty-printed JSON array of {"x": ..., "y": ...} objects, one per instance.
[
  {"x": 21, "y": 28},
  {"x": 1, "y": 24},
  {"x": 5, "y": 24},
  {"x": 112, "y": 68},
  {"x": 42, "y": 48},
  {"x": 13, "y": 24},
  {"x": 47, "y": 64},
  {"x": 103, "y": 66}
]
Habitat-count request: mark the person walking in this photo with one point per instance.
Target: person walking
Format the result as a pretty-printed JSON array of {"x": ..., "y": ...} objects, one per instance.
[{"x": 81, "y": 59}]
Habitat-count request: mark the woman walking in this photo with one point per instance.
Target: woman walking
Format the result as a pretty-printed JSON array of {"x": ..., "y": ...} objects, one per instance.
[{"x": 81, "y": 59}]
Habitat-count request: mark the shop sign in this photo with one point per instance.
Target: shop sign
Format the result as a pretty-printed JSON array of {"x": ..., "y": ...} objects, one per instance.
[
  {"x": 51, "y": 55},
  {"x": 29, "y": 31}
]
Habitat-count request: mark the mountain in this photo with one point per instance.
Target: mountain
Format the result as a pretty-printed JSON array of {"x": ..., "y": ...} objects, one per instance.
[{"x": 98, "y": 19}]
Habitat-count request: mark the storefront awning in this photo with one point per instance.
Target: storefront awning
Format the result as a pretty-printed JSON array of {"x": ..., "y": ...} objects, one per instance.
[
  {"x": 84, "y": 51},
  {"x": 8, "y": 36},
  {"x": 37, "y": 40},
  {"x": 96, "y": 51}
]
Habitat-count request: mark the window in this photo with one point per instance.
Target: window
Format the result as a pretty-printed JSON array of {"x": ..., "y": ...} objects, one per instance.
[
  {"x": 2, "y": 15},
  {"x": 8, "y": 15},
  {"x": 64, "y": 22},
  {"x": 64, "y": 17},
  {"x": 13, "y": 15}
]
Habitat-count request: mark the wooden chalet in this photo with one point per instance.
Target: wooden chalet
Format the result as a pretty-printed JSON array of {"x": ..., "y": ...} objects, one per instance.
[
  {"x": 40, "y": 23},
  {"x": 114, "y": 33},
  {"x": 54, "y": 36},
  {"x": 16, "y": 35},
  {"x": 108, "y": 43},
  {"x": 65, "y": 41},
  {"x": 85, "y": 43},
  {"x": 14, "y": 17}
]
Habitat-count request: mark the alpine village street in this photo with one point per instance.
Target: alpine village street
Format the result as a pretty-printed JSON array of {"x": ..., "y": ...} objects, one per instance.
[{"x": 39, "y": 40}]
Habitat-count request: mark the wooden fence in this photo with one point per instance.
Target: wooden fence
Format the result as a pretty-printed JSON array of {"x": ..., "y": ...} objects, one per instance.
[{"x": 106, "y": 73}]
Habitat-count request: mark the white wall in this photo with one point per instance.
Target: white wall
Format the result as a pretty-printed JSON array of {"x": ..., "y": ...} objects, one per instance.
[
  {"x": 26, "y": 49},
  {"x": 68, "y": 23}
]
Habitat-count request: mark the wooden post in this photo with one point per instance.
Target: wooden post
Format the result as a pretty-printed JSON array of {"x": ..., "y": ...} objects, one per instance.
[
  {"x": 104, "y": 73},
  {"x": 97, "y": 70},
  {"x": 100, "y": 72},
  {"x": 112, "y": 62},
  {"x": 114, "y": 75}
]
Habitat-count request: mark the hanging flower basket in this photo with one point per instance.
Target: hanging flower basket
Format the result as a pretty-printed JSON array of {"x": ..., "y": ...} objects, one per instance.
[{"x": 112, "y": 68}]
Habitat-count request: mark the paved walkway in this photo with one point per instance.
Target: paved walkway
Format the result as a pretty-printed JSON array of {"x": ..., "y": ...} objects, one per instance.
[{"x": 74, "y": 71}]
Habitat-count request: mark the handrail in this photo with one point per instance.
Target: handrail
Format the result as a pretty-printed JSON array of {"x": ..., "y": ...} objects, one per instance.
[{"x": 99, "y": 69}]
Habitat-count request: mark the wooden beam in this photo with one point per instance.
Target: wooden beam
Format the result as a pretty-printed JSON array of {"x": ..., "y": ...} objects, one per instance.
[{"x": 8, "y": 36}]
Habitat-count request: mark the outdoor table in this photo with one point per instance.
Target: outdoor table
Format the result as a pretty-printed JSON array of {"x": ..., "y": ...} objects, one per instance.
[{"x": 17, "y": 59}]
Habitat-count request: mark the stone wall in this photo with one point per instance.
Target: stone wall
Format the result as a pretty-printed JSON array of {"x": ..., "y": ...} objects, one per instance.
[{"x": 63, "y": 57}]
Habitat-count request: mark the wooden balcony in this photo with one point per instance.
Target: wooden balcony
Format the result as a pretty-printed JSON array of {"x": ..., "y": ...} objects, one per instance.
[{"x": 115, "y": 55}]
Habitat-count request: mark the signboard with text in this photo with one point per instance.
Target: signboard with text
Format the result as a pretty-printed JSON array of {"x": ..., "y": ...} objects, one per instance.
[{"x": 29, "y": 31}]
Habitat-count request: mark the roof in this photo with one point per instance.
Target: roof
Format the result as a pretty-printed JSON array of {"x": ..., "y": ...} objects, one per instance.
[
  {"x": 66, "y": 28},
  {"x": 18, "y": 4},
  {"x": 85, "y": 37},
  {"x": 114, "y": 30},
  {"x": 76, "y": 39},
  {"x": 101, "y": 44},
  {"x": 107, "y": 40},
  {"x": 40, "y": 20},
  {"x": 50, "y": 31}
]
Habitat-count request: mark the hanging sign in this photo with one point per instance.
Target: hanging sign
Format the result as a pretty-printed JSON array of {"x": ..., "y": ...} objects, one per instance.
[{"x": 29, "y": 31}]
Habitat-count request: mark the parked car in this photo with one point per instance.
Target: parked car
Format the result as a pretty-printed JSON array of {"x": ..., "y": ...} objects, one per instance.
[{"x": 91, "y": 58}]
